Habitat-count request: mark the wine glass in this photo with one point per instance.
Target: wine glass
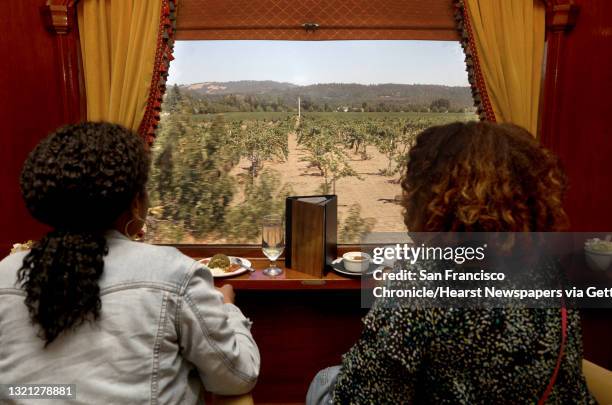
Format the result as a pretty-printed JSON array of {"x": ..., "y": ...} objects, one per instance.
[{"x": 272, "y": 242}]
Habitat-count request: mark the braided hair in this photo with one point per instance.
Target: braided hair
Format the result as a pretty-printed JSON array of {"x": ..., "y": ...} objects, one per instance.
[{"x": 79, "y": 180}]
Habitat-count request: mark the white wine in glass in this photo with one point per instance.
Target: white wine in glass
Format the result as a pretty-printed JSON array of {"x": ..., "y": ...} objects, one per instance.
[{"x": 272, "y": 242}]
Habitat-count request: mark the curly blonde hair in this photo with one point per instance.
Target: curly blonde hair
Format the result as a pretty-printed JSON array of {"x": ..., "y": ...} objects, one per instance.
[{"x": 479, "y": 176}]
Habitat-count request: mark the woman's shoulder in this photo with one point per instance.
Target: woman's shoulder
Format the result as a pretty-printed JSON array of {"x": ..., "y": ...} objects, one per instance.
[
  {"x": 9, "y": 266},
  {"x": 127, "y": 263},
  {"x": 141, "y": 263}
]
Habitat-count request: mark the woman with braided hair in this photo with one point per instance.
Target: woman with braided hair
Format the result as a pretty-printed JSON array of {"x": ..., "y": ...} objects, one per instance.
[{"x": 124, "y": 321}]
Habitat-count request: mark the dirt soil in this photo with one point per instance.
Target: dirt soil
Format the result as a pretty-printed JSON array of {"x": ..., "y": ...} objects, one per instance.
[{"x": 377, "y": 194}]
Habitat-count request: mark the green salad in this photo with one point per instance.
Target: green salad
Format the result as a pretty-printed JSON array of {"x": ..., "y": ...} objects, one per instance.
[{"x": 598, "y": 245}]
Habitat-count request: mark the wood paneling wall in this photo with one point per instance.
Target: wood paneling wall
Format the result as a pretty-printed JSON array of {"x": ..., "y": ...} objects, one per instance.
[
  {"x": 36, "y": 66},
  {"x": 299, "y": 333},
  {"x": 576, "y": 117},
  {"x": 576, "y": 126}
]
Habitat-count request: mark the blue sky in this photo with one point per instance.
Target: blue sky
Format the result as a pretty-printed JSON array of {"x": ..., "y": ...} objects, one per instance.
[{"x": 309, "y": 62}]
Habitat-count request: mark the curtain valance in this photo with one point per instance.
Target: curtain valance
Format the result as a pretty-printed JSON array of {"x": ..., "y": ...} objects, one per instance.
[{"x": 335, "y": 20}]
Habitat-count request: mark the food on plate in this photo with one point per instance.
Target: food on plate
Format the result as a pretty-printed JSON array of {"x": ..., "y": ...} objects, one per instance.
[
  {"x": 220, "y": 261},
  {"x": 220, "y": 265},
  {"x": 598, "y": 245}
]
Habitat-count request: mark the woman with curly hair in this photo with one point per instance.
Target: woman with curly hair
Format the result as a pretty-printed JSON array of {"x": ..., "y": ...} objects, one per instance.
[
  {"x": 478, "y": 177},
  {"x": 123, "y": 321}
]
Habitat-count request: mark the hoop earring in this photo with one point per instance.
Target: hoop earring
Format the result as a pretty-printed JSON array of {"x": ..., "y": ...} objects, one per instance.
[{"x": 126, "y": 232}]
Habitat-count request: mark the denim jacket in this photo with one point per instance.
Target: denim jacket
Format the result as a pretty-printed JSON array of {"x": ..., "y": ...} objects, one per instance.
[{"x": 163, "y": 334}]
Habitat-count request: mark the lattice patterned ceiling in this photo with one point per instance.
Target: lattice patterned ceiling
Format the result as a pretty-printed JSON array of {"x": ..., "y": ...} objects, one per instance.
[{"x": 345, "y": 19}]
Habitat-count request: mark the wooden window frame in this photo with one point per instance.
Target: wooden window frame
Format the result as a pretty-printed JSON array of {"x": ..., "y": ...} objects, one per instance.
[{"x": 561, "y": 16}]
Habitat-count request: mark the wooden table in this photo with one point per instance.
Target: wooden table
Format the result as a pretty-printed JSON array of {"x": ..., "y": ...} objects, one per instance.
[
  {"x": 301, "y": 324},
  {"x": 291, "y": 279}
]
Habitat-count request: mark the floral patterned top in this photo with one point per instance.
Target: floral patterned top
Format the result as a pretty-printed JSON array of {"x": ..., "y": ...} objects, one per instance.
[
  {"x": 416, "y": 353},
  {"x": 462, "y": 356}
]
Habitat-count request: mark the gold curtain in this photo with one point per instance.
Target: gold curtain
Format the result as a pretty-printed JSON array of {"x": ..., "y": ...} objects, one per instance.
[
  {"x": 118, "y": 43},
  {"x": 509, "y": 40}
]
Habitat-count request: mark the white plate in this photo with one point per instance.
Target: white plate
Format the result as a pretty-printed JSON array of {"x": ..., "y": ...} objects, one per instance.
[
  {"x": 222, "y": 274},
  {"x": 338, "y": 266}
]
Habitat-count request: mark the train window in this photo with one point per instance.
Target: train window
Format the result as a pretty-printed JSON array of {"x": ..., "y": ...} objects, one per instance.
[{"x": 246, "y": 123}]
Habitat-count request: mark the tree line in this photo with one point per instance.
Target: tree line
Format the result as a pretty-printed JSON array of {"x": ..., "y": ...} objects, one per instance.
[{"x": 188, "y": 102}]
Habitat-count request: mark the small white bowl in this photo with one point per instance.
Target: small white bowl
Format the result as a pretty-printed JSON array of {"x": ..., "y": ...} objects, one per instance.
[
  {"x": 352, "y": 264},
  {"x": 598, "y": 260}
]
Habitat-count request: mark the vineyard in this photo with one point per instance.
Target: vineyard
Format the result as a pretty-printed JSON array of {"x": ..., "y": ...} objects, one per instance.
[{"x": 214, "y": 176}]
